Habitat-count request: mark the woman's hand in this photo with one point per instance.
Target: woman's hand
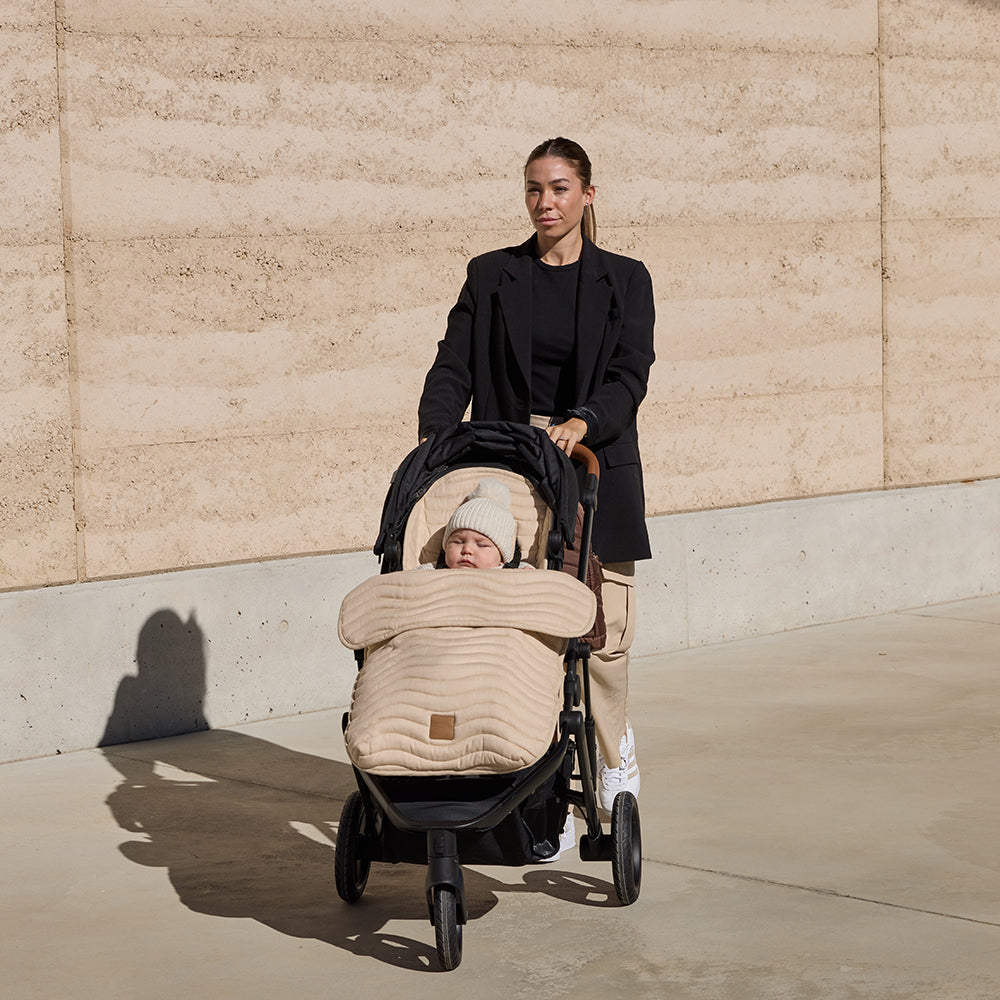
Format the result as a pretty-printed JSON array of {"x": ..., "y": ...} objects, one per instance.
[{"x": 565, "y": 436}]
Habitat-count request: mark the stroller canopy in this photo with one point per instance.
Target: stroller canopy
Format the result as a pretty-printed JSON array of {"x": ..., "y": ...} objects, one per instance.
[{"x": 519, "y": 447}]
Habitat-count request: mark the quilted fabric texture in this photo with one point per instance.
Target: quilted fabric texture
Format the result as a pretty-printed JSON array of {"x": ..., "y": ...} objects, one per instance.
[
  {"x": 473, "y": 654},
  {"x": 553, "y": 604}
]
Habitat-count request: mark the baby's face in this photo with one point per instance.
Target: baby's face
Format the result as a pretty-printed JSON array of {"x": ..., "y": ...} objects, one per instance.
[{"x": 470, "y": 549}]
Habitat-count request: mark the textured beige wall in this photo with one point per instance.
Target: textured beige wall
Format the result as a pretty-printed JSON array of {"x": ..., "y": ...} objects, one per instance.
[
  {"x": 269, "y": 206},
  {"x": 37, "y": 543},
  {"x": 942, "y": 232}
]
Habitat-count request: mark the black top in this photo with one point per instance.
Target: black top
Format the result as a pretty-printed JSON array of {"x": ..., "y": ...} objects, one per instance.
[
  {"x": 485, "y": 357},
  {"x": 553, "y": 336}
]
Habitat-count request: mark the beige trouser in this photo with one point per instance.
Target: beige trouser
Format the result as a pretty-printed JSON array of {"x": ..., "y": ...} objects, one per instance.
[{"x": 609, "y": 666}]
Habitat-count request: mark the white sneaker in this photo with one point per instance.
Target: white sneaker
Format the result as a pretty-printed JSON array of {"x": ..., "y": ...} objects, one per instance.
[
  {"x": 567, "y": 839},
  {"x": 624, "y": 778}
]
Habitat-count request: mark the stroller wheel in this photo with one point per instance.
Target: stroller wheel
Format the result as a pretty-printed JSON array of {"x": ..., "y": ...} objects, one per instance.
[
  {"x": 447, "y": 930},
  {"x": 351, "y": 862},
  {"x": 626, "y": 841}
]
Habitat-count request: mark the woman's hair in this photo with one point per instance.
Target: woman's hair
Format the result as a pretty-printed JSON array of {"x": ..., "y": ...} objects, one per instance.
[{"x": 572, "y": 152}]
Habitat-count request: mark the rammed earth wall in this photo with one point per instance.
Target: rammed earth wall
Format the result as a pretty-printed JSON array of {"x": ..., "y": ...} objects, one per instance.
[{"x": 230, "y": 234}]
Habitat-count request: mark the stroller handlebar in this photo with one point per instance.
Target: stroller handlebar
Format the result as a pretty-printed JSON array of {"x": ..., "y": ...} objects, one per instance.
[{"x": 586, "y": 457}]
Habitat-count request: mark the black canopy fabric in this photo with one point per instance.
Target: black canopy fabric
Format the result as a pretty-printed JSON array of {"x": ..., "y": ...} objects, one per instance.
[{"x": 523, "y": 449}]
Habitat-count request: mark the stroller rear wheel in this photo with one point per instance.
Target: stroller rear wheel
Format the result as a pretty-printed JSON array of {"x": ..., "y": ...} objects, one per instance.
[
  {"x": 351, "y": 860},
  {"x": 447, "y": 929},
  {"x": 626, "y": 841}
]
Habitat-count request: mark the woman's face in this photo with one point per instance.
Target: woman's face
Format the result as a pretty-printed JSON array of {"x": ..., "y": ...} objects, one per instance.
[{"x": 555, "y": 196}]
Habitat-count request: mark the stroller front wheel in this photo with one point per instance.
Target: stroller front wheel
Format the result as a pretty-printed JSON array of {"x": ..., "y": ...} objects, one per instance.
[
  {"x": 447, "y": 929},
  {"x": 351, "y": 860},
  {"x": 626, "y": 842}
]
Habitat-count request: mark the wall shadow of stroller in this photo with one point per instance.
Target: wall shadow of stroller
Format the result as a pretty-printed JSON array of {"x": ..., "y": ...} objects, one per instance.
[{"x": 167, "y": 695}]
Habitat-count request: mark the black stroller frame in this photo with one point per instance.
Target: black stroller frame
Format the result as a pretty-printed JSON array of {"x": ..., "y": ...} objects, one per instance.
[{"x": 443, "y": 821}]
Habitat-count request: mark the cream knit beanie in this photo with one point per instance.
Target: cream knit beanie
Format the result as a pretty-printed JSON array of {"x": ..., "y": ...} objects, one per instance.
[{"x": 487, "y": 510}]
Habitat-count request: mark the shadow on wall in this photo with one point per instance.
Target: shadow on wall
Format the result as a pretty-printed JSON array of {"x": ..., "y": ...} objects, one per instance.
[{"x": 167, "y": 696}]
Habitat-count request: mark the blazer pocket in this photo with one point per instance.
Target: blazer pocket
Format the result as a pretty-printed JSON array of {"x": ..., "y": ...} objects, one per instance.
[{"x": 621, "y": 453}]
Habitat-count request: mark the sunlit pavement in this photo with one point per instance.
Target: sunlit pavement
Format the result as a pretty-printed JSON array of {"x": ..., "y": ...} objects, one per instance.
[{"x": 820, "y": 813}]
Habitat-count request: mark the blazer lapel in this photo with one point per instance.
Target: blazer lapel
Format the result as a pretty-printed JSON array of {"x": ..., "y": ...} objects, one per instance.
[
  {"x": 514, "y": 295},
  {"x": 593, "y": 308}
]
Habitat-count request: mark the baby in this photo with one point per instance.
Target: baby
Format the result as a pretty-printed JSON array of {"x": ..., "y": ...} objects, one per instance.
[{"x": 482, "y": 533}]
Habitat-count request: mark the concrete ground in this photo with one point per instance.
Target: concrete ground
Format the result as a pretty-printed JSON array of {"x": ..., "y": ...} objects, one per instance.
[{"x": 820, "y": 816}]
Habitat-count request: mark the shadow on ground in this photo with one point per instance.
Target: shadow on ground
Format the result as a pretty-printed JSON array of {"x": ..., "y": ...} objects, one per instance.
[
  {"x": 244, "y": 832},
  {"x": 246, "y": 828}
]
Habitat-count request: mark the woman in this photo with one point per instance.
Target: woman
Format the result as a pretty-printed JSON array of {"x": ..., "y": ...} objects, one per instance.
[{"x": 559, "y": 333}]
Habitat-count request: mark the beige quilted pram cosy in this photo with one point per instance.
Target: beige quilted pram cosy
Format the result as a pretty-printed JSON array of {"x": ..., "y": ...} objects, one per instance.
[
  {"x": 465, "y": 719},
  {"x": 463, "y": 669}
]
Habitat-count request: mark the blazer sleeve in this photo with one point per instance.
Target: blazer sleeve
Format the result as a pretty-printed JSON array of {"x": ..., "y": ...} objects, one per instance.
[
  {"x": 448, "y": 385},
  {"x": 623, "y": 385}
]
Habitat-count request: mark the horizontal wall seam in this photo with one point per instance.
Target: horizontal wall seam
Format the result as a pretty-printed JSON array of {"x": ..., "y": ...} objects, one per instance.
[
  {"x": 877, "y": 490},
  {"x": 432, "y": 42},
  {"x": 466, "y": 231}
]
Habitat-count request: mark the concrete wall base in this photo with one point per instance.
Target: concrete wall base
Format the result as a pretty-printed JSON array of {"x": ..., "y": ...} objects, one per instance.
[
  {"x": 125, "y": 660},
  {"x": 729, "y": 574}
]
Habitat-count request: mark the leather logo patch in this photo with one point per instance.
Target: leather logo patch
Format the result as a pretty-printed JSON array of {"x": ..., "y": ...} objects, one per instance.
[{"x": 442, "y": 727}]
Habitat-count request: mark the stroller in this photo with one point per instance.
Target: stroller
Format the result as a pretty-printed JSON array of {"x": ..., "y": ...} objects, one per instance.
[{"x": 466, "y": 731}]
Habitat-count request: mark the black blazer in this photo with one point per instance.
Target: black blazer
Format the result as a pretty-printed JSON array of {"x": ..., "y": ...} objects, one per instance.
[{"x": 485, "y": 357}]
